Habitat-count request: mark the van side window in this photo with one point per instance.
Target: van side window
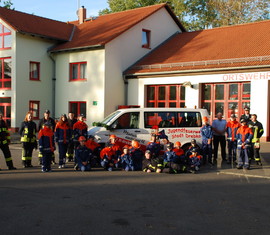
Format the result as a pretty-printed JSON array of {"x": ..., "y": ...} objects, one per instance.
[
  {"x": 160, "y": 119},
  {"x": 127, "y": 121},
  {"x": 189, "y": 119}
]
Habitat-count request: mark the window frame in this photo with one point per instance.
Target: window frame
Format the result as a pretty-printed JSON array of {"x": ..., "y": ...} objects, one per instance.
[
  {"x": 2, "y": 78},
  {"x": 31, "y": 77},
  {"x": 31, "y": 109},
  {"x": 2, "y": 37},
  {"x": 78, "y": 107},
  {"x": 71, "y": 79},
  {"x": 148, "y": 38}
]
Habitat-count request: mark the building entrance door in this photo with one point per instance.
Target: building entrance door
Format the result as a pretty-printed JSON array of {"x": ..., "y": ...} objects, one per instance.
[
  {"x": 5, "y": 109},
  {"x": 227, "y": 98}
]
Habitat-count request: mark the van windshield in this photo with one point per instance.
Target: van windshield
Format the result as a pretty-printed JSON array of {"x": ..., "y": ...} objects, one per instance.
[{"x": 108, "y": 119}]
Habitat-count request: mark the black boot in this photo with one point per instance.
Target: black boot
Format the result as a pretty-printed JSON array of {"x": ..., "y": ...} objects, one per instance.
[
  {"x": 10, "y": 165},
  {"x": 24, "y": 164},
  {"x": 28, "y": 163}
]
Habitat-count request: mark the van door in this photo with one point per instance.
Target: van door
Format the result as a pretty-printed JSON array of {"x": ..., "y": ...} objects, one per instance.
[{"x": 127, "y": 128}]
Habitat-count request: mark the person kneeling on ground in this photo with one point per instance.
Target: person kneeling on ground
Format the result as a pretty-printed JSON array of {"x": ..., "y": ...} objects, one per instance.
[
  {"x": 83, "y": 155},
  {"x": 149, "y": 164},
  {"x": 126, "y": 159},
  {"x": 194, "y": 161}
]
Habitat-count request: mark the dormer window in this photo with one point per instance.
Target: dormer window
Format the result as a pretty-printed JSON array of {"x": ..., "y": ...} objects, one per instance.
[
  {"x": 146, "y": 36},
  {"x": 5, "y": 37}
]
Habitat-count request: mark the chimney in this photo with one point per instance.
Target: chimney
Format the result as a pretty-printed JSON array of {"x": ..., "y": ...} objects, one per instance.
[{"x": 81, "y": 14}]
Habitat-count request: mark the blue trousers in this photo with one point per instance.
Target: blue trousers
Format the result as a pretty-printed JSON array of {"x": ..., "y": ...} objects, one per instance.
[
  {"x": 46, "y": 161},
  {"x": 232, "y": 146},
  {"x": 62, "y": 153},
  {"x": 243, "y": 157},
  {"x": 207, "y": 152}
]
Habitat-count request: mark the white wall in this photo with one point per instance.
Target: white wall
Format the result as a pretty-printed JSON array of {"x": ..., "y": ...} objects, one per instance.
[
  {"x": 126, "y": 49},
  {"x": 259, "y": 89},
  {"x": 90, "y": 90},
  {"x": 28, "y": 49}
]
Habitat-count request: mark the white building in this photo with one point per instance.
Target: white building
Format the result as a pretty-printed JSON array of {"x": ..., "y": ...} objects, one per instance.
[
  {"x": 74, "y": 66},
  {"x": 223, "y": 69}
]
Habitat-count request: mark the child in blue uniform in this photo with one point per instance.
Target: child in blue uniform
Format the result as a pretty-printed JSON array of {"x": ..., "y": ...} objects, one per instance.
[
  {"x": 126, "y": 159},
  {"x": 83, "y": 155},
  {"x": 46, "y": 146}
]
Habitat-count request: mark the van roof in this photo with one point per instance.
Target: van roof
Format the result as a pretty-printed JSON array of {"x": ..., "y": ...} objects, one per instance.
[{"x": 163, "y": 109}]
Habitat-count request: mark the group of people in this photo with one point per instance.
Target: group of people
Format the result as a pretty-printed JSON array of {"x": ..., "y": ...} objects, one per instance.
[
  {"x": 243, "y": 139},
  {"x": 74, "y": 145}
]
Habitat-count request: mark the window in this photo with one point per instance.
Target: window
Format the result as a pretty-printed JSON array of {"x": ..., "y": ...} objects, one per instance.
[
  {"x": 5, "y": 73},
  {"x": 34, "y": 108},
  {"x": 34, "y": 71},
  {"x": 77, "y": 71},
  {"x": 77, "y": 107},
  {"x": 127, "y": 121},
  {"x": 5, "y": 37},
  {"x": 172, "y": 119},
  {"x": 227, "y": 98},
  {"x": 146, "y": 36},
  {"x": 168, "y": 96}
]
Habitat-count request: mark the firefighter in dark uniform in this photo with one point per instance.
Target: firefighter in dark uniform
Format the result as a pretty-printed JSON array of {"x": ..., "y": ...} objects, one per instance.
[
  {"x": 51, "y": 123},
  {"x": 4, "y": 142},
  {"x": 28, "y": 139},
  {"x": 257, "y": 129},
  {"x": 246, "y": 115},
  {"x": 70, "y": 150}
]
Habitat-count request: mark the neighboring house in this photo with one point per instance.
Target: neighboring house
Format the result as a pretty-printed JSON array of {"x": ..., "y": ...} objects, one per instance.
[
  {"x": 75, "y": 66},
  {"x": 222, "y": 69}
]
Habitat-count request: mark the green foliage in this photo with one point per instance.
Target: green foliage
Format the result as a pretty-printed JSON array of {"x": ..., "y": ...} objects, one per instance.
[
  {"x": 6, "y": 4},
  {"x": 203, "y": 14}
]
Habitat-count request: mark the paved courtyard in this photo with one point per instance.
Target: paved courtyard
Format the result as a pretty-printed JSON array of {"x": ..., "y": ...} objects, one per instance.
[{"x": 218, "y": 200}]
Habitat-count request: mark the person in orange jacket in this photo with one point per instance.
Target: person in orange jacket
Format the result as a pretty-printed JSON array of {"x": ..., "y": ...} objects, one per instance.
[
  {"x": 110, "y": 155},
  {"x": 244, "y": 136},
  {"x": 95, "y": 148},
  {"x": 231, "y": 129},
  {"x": 80, "y": 128}
]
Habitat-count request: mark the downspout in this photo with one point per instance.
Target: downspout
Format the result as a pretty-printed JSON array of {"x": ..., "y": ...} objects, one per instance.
[
  {"x": 125, "y": 90},
  {"x": 53, "y": 84}
]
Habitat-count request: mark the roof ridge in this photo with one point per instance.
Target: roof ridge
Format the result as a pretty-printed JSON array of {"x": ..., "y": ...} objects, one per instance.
[
  {"x": 138, "y": 8},
  {"x": 232, "y": 26},
  {"x": 24, "y": 13}
]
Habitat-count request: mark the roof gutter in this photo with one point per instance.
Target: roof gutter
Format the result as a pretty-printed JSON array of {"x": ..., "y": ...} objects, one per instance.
[
  {"x": 94, "y": 47},
  {"x": 53, "y": 84},
  {"x": 130, "y": 76}
]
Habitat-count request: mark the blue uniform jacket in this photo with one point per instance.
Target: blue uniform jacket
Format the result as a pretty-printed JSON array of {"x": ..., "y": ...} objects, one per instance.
[
  {"x": 206, "y": 133},
  {"x": 83, "y": 154}
]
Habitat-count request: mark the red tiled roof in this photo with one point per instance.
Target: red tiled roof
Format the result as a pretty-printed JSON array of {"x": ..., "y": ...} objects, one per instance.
[
  {"x": 224, "y": 47},
  {"x": 35, "y": 25},
  {"x": 107, "y": 27}
]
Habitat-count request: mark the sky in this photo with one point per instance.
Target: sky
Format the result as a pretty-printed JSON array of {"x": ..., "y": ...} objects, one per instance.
[{"x": 62, "y": 10}]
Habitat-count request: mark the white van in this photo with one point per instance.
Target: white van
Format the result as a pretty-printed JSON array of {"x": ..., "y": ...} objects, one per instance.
[{"x": 179, "y": 124}]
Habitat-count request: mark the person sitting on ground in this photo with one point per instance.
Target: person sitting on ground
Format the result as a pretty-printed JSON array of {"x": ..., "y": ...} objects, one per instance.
[
  {"x": 194, "y": 161},
  {"x": 83, "y": 155},
  {"x": 193, "y": 145},
  {"x": 126, "y": 159},
  {"x": 181, "y": 158},
  {"x": 149, "y": 164},
  {"x": 95, "y": 148},
  {"x": 137, "y": 155}
]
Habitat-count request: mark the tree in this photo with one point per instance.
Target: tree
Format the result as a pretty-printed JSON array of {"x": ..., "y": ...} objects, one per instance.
[
  {"x": 231, "y": 12},
  {"x": 6, "y": 4},
  {"x": 203, "y": 14}
]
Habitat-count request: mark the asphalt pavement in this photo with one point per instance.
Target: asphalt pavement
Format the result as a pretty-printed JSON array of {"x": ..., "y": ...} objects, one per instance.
[{"x": 217, "y": 200}]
